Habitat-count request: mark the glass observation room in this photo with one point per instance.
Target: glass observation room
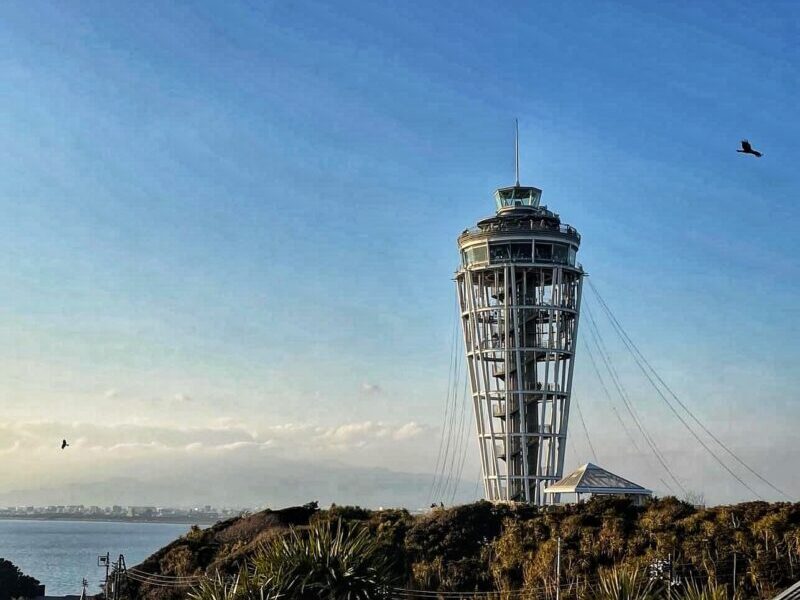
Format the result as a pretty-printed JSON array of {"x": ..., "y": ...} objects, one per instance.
[
  {"x": 517, "y": 196},
  {"x": 520, "y": 252}
]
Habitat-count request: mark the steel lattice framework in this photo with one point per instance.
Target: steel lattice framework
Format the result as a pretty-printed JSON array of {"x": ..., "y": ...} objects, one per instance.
[{"x": 519, "y": 291}]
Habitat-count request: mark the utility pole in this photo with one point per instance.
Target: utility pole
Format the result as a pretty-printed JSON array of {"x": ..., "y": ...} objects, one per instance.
[
  {"x": 105, "y": 561},
  {"x": 735, "y": 522},
  {"x": 121, "y": 569},
  {"x": 118, "y": 573},
  {"x": 115, "y": 583},
  {"x": 558, "y": 569},
  {"x": 669, "y": 581}
]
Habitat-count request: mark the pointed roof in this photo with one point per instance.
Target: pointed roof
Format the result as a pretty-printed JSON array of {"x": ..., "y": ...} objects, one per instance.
[{"x": 591, "y": 479}]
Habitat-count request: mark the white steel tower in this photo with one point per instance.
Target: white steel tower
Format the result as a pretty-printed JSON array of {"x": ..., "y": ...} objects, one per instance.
[{"x": 519, "y": 292}]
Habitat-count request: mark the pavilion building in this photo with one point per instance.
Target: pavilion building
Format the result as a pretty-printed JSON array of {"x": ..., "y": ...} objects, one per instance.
[{"x": 591, "y": 480}]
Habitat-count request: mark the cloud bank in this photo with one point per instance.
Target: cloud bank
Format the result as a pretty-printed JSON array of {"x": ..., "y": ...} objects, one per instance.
[{"x": 227, "y": 462}]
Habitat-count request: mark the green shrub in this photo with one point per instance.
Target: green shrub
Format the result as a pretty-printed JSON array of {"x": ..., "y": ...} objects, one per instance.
[
  {"x": 217, "y": 588},
  {"x": 694, "y": 591},
  {"x": 329, "y": 561},
  {"x": 326, "y": 562},
  {"x": 620, "y": 584}
]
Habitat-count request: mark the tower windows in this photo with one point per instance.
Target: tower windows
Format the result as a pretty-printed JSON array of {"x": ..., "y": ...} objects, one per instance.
[
  {"x": 521, "y": 252},
  {"x": 555, "y": 253},
  {"x": 499, "y": 252},
  {"x": 560, "y": 253},
  {"x": 514, "y": 252},
  {"x": 475, "y": 254},
  {"x": 544, "y": 252}
]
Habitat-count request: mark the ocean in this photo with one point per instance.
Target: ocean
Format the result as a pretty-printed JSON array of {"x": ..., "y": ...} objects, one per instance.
[{"x": 61, "y": 553}]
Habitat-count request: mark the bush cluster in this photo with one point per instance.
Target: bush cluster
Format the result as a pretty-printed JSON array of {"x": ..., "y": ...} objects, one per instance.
[
  {"x": 14, "y": 584},
  {"x": 483, "y": 547}
]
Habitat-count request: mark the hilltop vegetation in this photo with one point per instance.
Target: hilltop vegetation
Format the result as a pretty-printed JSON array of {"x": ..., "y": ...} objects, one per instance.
[
  {"x": 14, "y": 584},
  {"x": 485, "y": 547}
]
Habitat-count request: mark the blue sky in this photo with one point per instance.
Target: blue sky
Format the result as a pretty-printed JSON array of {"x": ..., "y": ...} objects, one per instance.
[{"x": 248, "y": 211}]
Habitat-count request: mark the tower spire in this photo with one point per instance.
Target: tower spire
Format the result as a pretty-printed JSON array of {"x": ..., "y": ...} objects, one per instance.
[{"x": 516, "y": 149}]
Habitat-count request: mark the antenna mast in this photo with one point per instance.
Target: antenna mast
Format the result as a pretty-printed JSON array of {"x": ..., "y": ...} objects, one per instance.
[{"x": 516, "y": 149}]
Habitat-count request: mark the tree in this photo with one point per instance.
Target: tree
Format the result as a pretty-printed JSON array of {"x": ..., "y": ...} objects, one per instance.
[{"x": 14, "y": 584}]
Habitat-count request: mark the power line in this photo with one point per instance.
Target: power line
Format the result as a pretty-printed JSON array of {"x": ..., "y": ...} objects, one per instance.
[
  {"x": 627, "y": 431},
  {"x": 147, "y": 574},
  {"x": 465, "y": 443},
  {"x": 533, "y": 593},
  {"x": 458, "y": 447},
  {"x": 618, "y": 329},
  {"x": 445, "y": 420},
  {"x": 634, "y": 349},
  {"x": 162, "y": 581},
  {"x": 586, "y": 583},
  {"x": 445, "y": 424},
  {"x": 617, "y": 415},
  {"x": 598, "y": 340},
  {"x": 585, "y": 430},
  {"x": 608, "y": 396},
  {"x": 447, "y": 456}
]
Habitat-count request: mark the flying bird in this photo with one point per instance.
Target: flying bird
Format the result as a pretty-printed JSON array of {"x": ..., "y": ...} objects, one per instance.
[
  {"x": 748, "y": 149},
  {"x": 64, "y": 444}
]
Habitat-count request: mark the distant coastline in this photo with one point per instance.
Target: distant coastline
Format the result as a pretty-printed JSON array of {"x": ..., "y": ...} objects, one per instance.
[
  {"x": 60, "y": 553},
  {"x": 174, "y": 520}
]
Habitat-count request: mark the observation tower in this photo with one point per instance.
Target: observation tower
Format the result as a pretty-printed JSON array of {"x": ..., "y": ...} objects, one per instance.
[{"x": 519, "y": 293}]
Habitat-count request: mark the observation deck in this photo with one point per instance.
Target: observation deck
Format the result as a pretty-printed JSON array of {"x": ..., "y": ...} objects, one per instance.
[
  {"x": 519, "y": 211},
  {"x": 522, "y": 231}
]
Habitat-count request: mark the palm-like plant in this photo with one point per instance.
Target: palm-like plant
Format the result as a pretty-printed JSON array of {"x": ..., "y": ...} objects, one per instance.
[
  {"x": 323, "y": 563},
  {"x": 242, "y": 586},
  {"x": 217, "y": 588},
  {"x": 712, "y": 591},
  {"x": 619, "y": 584}
]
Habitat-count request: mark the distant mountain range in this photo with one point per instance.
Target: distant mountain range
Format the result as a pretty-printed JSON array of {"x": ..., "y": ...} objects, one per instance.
[{"x": 278, "y": 483}]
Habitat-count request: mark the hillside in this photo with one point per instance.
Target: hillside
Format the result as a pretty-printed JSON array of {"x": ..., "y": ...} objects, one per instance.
[{"x": 497, "y": 547}]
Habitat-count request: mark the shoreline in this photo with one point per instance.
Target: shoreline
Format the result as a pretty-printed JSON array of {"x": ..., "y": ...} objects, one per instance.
[{"x": 109, "y": 519}]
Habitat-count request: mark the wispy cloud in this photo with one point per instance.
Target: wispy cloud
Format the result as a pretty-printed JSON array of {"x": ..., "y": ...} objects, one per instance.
[
  {"x": 32, "y": 457},
  {"x": 33, "y": 436},
  {"x": 408, "y": 431}
]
